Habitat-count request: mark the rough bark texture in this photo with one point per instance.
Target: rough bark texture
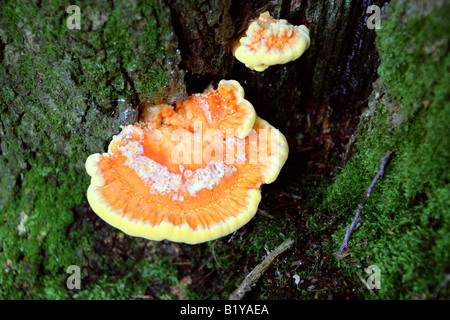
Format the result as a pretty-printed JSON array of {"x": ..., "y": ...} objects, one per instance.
[
  {"x": 64, "y": 93},
  {"x": 336, "y": 71}
]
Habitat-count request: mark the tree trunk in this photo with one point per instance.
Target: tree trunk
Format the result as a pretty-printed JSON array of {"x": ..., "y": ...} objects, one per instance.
[
  {"x": 336, "y": 71},
  {"x": 99, "y": 74},
  {"x": 66, "y": 91},
  {"x": 331, "y": 79}
]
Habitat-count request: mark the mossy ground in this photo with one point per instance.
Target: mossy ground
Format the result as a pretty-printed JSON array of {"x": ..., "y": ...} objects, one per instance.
[
  {"x": 64, "y": 93},
  {"x": 405, "y": 223},
  {"x": 82, "y": 87},
  {"x": 405, "y": 229}
]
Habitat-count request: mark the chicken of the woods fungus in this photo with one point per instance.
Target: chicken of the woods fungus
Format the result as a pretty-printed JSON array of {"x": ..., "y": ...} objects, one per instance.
[
  {"x": 190, "y": 172},
  {"x": 268, "y": 41}
]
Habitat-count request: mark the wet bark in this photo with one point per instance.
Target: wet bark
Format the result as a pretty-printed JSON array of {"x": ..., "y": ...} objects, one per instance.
[
  {"x": 65, "y": 93},
  {"x": 336, "y": 72}
]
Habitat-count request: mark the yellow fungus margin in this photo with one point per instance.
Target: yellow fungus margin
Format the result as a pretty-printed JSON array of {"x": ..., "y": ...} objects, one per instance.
[
  {"x": 269, "y": 42},
  {"x": 183, "y": 232}
]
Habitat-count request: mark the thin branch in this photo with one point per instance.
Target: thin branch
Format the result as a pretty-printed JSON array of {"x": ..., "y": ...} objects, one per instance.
[
  {"x": 265, "y": 213},
  {"x": 253, "y": 276},
  {"x": 384, "y": 160}
]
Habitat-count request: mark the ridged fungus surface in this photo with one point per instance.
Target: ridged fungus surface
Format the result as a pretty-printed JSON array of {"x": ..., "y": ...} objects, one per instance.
[
  {"x": 269, "y": 41},
  {"x": 190, "y": 172}
]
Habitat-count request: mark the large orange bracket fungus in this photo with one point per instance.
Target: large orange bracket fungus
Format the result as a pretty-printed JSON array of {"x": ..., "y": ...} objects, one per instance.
[
  {"x": 189, "y": 173},
  {"x": 268, "y": 42}
]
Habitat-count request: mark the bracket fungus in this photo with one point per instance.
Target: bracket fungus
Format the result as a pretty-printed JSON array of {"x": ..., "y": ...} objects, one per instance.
[
  {"x": 189, "y": 173},
  {"x": 269, "y": 41}
]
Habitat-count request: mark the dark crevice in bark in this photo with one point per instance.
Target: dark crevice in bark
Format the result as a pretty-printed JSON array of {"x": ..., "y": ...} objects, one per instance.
[{"x": 334, "y": 74}]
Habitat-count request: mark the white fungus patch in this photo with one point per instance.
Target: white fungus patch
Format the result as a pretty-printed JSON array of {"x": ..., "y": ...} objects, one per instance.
[
  {"x": 207, "y": 177},
  {"x": 161, "y": 181},
  {"x": 157, "y": 177}
]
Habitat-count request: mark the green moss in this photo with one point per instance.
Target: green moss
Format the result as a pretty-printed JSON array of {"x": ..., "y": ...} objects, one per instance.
[
  {"x": 33, "y": 231},
  {"x": 73, "y": 82},
  {"x": 38, "y": 245},
  {"x": 63, "y": 94},
  {"x": 414, "y": 54},
  {"x": 132, "y": 284},
  {"x": 226, "y": 257},
  {"x": 66, "y": 92},
  {"x": 406, "y": 220}
]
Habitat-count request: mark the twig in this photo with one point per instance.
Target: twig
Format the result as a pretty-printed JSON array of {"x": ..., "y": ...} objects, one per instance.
[
  {"x": 264, "y": 213},
  {"x": 253, "y": 276},
  {"x": 384, "y": 160}
]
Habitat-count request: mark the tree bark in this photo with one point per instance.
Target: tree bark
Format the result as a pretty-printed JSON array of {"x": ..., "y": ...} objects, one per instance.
[
  {"x": 124, "y": 54},
  {"x": 65, "y": 92},
  {"x": 336, "y": 71}
]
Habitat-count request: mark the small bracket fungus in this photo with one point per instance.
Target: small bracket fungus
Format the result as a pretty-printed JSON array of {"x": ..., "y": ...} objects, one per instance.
[
  {"x": 268, "y": 42},
  {"x": 187, "y": 174}
]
